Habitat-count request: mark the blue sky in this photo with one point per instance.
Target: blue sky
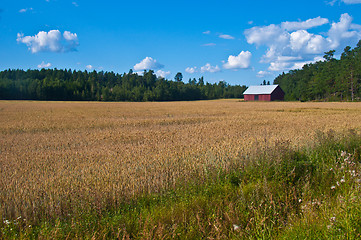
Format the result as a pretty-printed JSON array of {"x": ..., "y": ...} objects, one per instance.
[{"x": 240, "y": 42}]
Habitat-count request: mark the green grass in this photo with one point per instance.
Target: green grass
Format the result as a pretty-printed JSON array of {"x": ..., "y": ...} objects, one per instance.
[{"x": 280, "y": 193}]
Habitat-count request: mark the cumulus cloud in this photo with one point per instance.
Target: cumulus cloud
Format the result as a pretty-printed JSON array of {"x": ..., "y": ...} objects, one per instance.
[
  {"x": 147, "y": 64},
  {"x": 70, "y": 36},
  {"x": 52, "y": 41},
  {"x": 282, "y": 64},
  {"x": 44, "y": 65},
  {"x": 162, "y": 74},
  {"x": 289, "y": 44},
  {"x": 226, "y": 36},
  {"x": 303, "y": 41},
  {"x": 262, "y": 74},
  {"x": 340, "y": 31},
  {"x": 265, "y": 35},
  {"x": 209, "y": 68},
  {"x": 89, "y": 67},
  {"x": 241, "y": 61},
  {"x": 299, "y": 65},
  {"x": 191, "y": 70},
  {"x": 75, "y": 4},
  {"x": 310, "y": 23},
  {"x": 207, "y": 32}
]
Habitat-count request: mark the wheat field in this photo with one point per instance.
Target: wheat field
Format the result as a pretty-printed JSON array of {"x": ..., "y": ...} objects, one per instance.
[{"x": 64, "y": 158}]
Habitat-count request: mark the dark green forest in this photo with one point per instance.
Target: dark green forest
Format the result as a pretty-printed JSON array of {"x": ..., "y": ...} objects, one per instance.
[
  {"x": 68, "y": 85},
  {"x": 328, "y": 80}
]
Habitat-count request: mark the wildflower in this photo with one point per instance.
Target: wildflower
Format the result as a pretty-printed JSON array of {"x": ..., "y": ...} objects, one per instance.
[
  {"x": 342, "y": 180},
  {"x": 235, "y": 227},
  {"x": 331, "y": 169},
  {"x": 299, "y": 200},
  {"x": 7, "y": 222},
  {"x": 329, "y": 226},
  {"x": 333, "y": 219},
  {"x": 338, "y": 184},
  {"x": 333, "y": 187},
  {"x": 343, "y": 153}
]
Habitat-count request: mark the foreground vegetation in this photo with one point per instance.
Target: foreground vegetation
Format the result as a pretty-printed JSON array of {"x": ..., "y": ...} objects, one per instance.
[
  {"x": 180, "y": 170},
  {"x": 281, "y": 193}
]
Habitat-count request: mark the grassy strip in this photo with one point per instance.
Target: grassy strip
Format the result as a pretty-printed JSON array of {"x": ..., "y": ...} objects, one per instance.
[{"x": 283, "y": 193}]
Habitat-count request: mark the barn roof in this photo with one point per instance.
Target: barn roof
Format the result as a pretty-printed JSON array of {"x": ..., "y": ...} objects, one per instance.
[{"x": 262, "y": 89}]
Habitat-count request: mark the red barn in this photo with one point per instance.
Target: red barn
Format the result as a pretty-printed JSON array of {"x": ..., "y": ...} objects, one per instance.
[{"x": 264, "y": 93}]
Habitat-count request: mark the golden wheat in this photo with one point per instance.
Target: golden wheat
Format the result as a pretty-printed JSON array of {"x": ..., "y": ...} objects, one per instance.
[{"x": 62, "y": 158}]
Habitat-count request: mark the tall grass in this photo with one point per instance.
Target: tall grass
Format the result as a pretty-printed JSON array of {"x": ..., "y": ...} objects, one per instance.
[
  {"x": 282, "y": 192},
  {"x": 219, "y": 169}
]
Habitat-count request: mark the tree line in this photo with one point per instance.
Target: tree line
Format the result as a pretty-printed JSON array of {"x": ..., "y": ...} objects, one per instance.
[
  {"x": 68, "y": 85},
  {"x": 328, "y": 80}
]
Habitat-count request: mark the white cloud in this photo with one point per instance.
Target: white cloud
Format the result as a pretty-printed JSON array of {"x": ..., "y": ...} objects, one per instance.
[
  {"x": 147, "y": 64},
  {"x": 299, "y": 65},
  {"x": 288, "y": 63},
  {"x": 162, "y": 74},
  {"x": 299, "y": 39},
  {"x": 241, "y": 61},
  {"x": 351, "y": 1},
  {"x": 332, "y": 2},
  {"x": 262, "y": 74},
  {"x": 140, "y": 73},
  {"x": 226, "y": 36},
  {"x": 207, "y": 32},
  {"x": 191, "y": 70},
  {"x": 289, "y": 44},
  {"x": 339, "y": 32},
  {"x": 303, "y": 41},
  {"x": 279, "y": 66},
  {"x": 209, "y": 68},
  {"x": 75, "y": 4},
  {"x": 310, "y": 23},
  {"x": 70, "y": 36},
  {"x": 355, "y": 27},
  {"x": 89, "y": 67},
  {"x": 24, "y": 10},
  {"x": 52, "y": 41},
  {"x": 264, "y": 35},
  {"x": 44, "y": 65}
]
